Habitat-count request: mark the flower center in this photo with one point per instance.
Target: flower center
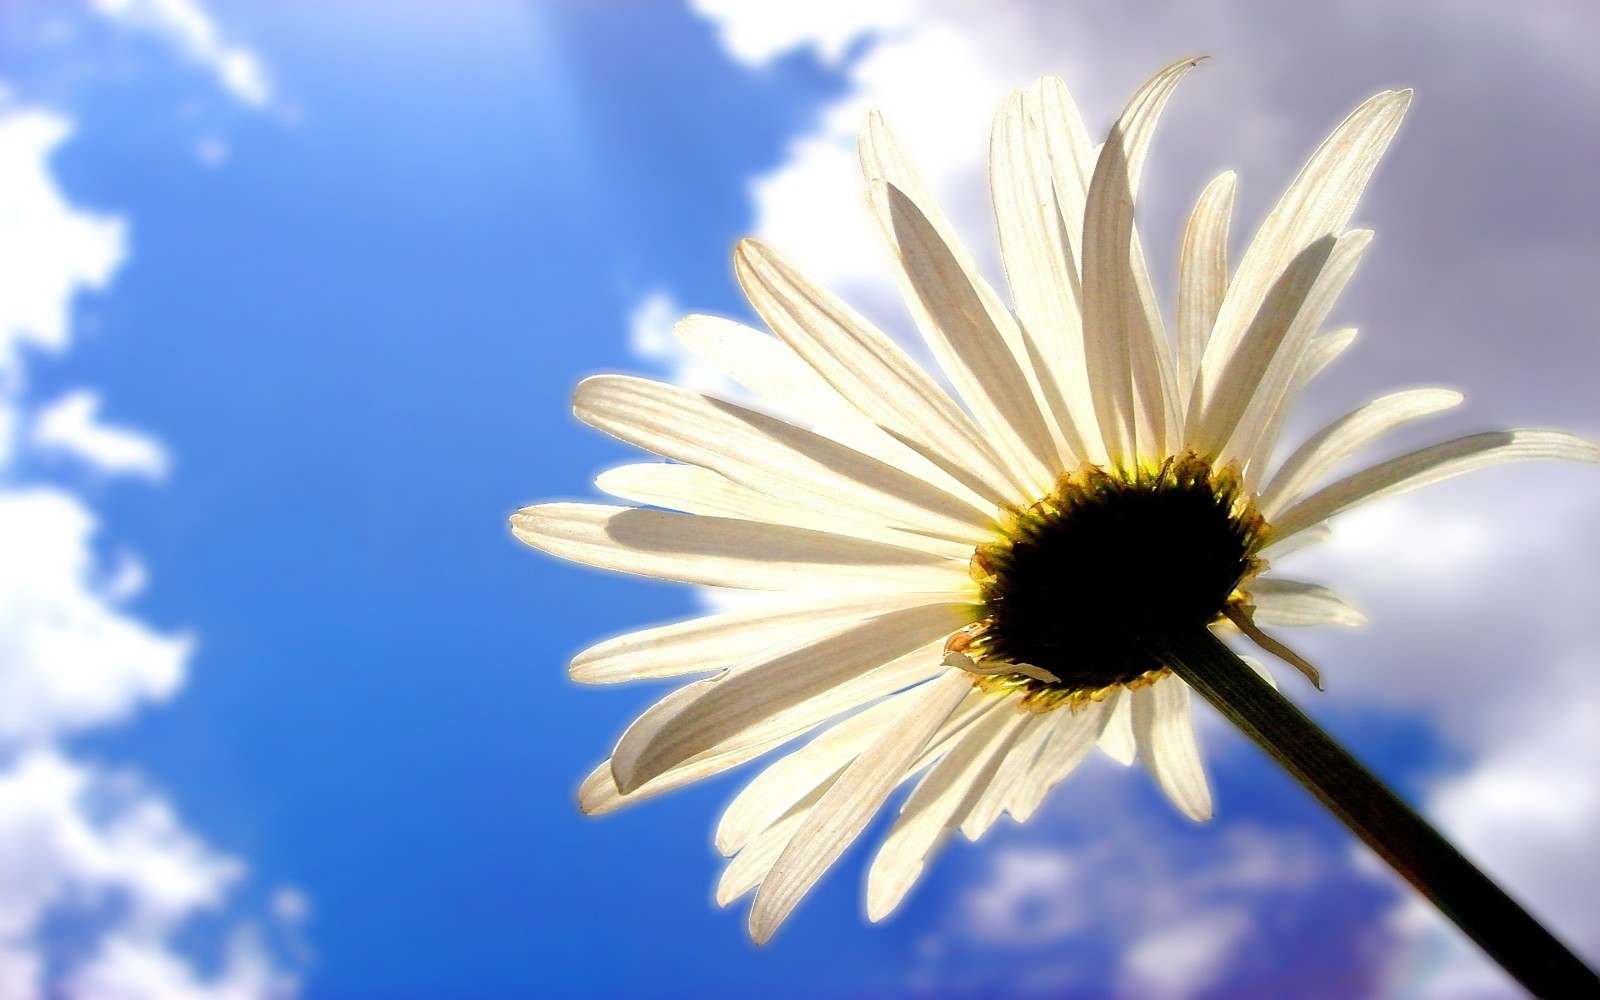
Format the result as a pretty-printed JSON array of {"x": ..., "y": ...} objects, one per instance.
[{"x": 1082, "y": 577}]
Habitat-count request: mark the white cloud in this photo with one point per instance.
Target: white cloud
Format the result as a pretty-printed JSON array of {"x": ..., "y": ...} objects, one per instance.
[
  {"x": 1526, "y": 812},
  {"x": 186, "y": 25},
  {"x": 1478, "y": 594},
  {"x": 1183, "y": 958},
  {"x": 828, "y": 26},
  {"x": 125, "y": 969},
  {"x": 1176, "y": 912},
  {"x": 71, "y": 658},
  {"x": 650, "y": 337},
  {"x": 100, "y": 881},
  {"x": 78, "y": 841},
  {"x": 71, "y": 425},
  {"x": 1032, "y": 896},
  {"x": 49, "y": 251}
]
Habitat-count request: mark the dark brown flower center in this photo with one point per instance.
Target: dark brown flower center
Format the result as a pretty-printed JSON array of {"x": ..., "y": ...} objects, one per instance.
[{"x": 1081, "y": 580}]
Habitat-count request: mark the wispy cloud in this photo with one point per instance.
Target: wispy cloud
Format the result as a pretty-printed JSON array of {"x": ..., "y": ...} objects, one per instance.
[
  {"x": 72, "y": 426},
  {"x": 101, "y": 882},
  {"x": 187, "y": 26}
]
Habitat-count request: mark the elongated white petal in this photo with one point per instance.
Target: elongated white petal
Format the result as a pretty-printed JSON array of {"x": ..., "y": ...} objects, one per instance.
[
  {"x": 872, "y": 372},
  {"x": 1266, "y": 365},
  {"x": 1214, "y": 413},
  {"x": 775, "y": 790},
  {"x": 723, "y": 552},
  {"x": 963, "y": 336},
  {"x": 1014, "y": 766},
  {"x": 1345, "y": 437},
  {"x": 1260, "y": 370},
  {"x": 1116, "y": 739},
  {"x": 838, "y": 818},
  {"x": 694, "y": 490},
  {"x": 1280, "y": 545},
  {"x": 773, "y": 731},
  {"x": 1317, "y": 205},
  {"x": 882, "y": 159},
  {"x": 717, "y": 642},
  {"x": 598, "y": 795},
  {"x": 1072, "y": 160},
  {"x": 753, "y": 694},
  {"x": 1202, "y": 277},
  {"x": 1073, "y": 735},
  {"x": 1072, "y": 153},
  {"x": 947, "y": 791},
  {"x": 769, "y": 455},
  {"x": 1429, "y": 465},
  {"x": 1135, "y": 399},
  {"x": 772, "y": 370},
  {"x": 1324, "y": 350},
  {"x": 755, "y": 859},
  {"x": 1292, "y": 603},
  {"x": 758, "y": 361},
  {"x": 1165, "y": 734},
  {"x": 1042, "y": 267}
]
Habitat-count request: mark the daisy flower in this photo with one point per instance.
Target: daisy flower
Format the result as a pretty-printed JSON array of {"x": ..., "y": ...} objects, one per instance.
[{"x": 969, "y": 585}]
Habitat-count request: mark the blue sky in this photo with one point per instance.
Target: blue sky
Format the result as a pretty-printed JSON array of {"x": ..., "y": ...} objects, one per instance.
[{"x": 360, "y": 271}]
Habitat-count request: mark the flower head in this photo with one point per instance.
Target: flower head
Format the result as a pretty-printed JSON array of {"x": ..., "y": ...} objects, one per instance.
[{"x": 974, "y": 591}]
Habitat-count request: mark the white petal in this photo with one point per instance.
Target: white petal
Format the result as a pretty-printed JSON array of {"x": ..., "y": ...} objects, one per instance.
[
  {"x": 1291, "y": 603},
  {"x": 1126, "y": 352},
  {"x": 964, "y": 337},
  {"x": 882, "y": 159},
  {"x": 1429, "y": 465},
  {"x": 755, "y": 860},
  {"x": 1165, "y": 734},
  {"x": 1324, "y": 350},
  {"x": 841, "y": 814},
  {"x": 1263, "y": 365},
  {"x": 872, "y": 372},
  {"x": 1072, "y": 158},
  {"x": 977, "y": 707},
  {"x": 722, "y": 552},
  {"x": 694, "y": 490},
  {"x": 770, "y": 456},
  {"x": 1260, "y": 671},
  {"x": 772, "y": 370},
  {"x": 1202, "y": 277},
  {"x": 774, "y": 791},
  {"x": 717, "y": 642},
  {"x": 947, "y": 791},
  {"x": 1042, "y": 267},
  {"x": 909, "y": 670},
  {"x": 1279, "y": 545},
  {"x": 1073, "y": 736},
  {"x": 598, "y": 795},
  {"x": 1318, "y": 204},
  {"x": 1345, "y": 437},
  {"x": 1015, "y": 764},
  {"x": 761, "y": 363},
  {"x": 756, "y": 693},
  {"x": 1116, "y": 739},
  {"x": 1072, "y": 153}
]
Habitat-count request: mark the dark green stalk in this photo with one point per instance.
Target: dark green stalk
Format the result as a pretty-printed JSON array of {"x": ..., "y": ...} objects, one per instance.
[{"x": 1503, "y": 929}]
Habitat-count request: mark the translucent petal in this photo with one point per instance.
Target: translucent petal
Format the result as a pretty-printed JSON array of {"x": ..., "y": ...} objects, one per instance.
[{"x": 843, "y": 811}]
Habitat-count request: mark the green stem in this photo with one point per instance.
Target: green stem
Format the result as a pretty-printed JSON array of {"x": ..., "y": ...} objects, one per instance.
[{"x": 1504, "y": 930}]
